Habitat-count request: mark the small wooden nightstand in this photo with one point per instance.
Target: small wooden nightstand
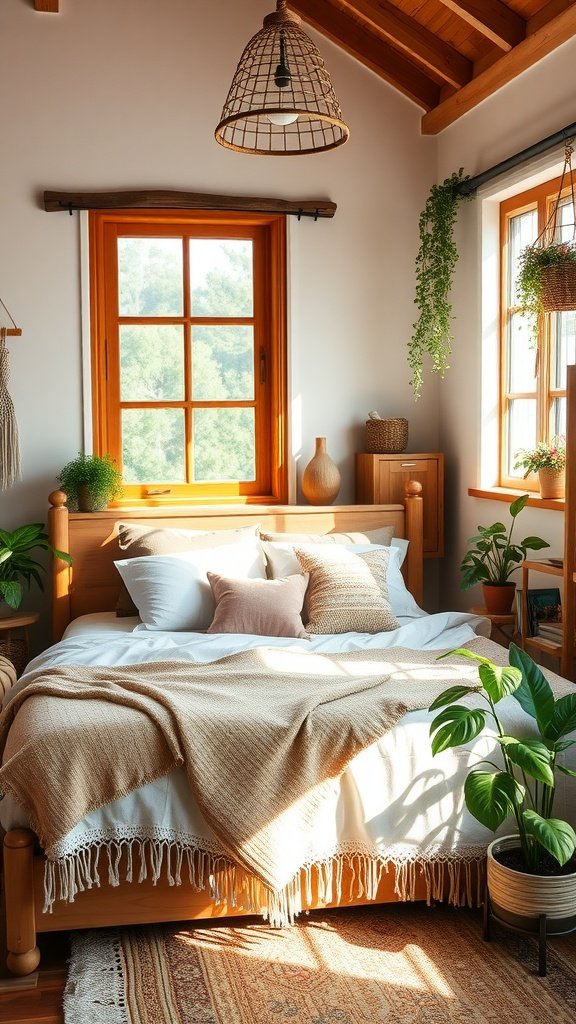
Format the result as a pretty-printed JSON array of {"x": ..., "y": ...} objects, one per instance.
[
  {"x": 14, "y": 638},
  {"x": 503, "y": 629}
]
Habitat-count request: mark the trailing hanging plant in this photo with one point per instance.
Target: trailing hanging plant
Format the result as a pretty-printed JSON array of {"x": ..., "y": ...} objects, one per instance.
[{"x": 435, "y": 263}]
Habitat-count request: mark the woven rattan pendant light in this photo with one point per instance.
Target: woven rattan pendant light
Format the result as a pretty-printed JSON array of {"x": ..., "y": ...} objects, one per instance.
[{"x": 281, "y": 101}]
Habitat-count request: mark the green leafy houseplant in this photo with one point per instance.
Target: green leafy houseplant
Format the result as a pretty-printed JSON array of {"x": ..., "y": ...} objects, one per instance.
[
  {"x": 492, "y": 557},
  {"x": 90, "y": 482},
  {"x": 523, "y": 787},
  {"x": 533, "y": 262},
  {"x": 546, "y": 455},
  {"x": 435, "y": 263},
  {"x": 17, "y": 566}
]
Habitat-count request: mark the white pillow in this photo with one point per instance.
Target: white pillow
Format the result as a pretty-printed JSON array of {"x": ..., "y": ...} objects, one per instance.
[
  {"x": 172, "y": 592},
  {"x": 282, "y": 561}
]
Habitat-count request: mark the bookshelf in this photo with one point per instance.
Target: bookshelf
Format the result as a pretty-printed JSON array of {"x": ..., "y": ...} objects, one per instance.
[{"x": 564, "y": 570}]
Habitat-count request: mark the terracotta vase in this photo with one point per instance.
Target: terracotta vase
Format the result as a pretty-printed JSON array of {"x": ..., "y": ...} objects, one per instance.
[
  {"x": 552, "y": 483},
  {"x": 321, "y": 477},
  {"x": 499, "y": 597}
]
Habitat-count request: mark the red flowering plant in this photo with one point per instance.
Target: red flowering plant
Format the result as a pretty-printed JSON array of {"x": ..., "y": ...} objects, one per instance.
[{"x": 546, "y": 455}]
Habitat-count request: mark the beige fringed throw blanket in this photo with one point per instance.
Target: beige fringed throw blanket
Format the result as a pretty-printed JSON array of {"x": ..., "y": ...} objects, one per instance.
[{"x": 262, "y": 735}]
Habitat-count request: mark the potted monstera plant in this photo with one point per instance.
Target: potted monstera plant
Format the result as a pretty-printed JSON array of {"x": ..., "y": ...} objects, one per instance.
[
  {"x": 18, "y": 566},
  {"x": 492, "y": 558},
  {"x": 531, "y": 872}
]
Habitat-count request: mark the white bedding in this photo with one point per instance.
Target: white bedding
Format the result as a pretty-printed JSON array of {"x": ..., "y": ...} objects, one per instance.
[{"x": 395, "y": 801}]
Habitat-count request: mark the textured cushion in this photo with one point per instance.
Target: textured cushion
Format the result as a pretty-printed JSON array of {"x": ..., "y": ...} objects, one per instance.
[
  {"x": 261, "y": 607},
  {"x": 346, "y": 592},
  {"x": 381, "y": 536},
  {"x": 136, "y": 541},
  {"x": 172, "y": 591},
  {"x": 281, "y": 561}
]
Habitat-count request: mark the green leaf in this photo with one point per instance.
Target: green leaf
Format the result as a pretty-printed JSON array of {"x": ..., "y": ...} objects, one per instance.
[
  {"x": 563, "y": 720},
  {"x": 534, "y": 543},
  {"x": 555, "y": 835},
  {"x": 534, "y": 693},
  {"x": 532, "y": 756},
  {"x": 456, "y": 725},
  {"x": 518, "y": 505},
  {"x": 565, "y": 771},
  {"x": 452, "y": 693},
  {"x": 11, "y": 591},
  {"x": 478, "y": 658},
  {"x": 492, "y": 796},
  {"x": 499, "y": 681}
]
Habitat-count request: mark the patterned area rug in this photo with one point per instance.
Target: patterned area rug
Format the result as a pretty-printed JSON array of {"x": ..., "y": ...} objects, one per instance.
[{"x": 404, "y": 964}]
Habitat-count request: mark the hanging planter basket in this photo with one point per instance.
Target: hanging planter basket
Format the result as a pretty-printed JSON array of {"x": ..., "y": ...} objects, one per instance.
[
  {"x": 547, "y": 273},
  {"x": 559, "y": 287}
]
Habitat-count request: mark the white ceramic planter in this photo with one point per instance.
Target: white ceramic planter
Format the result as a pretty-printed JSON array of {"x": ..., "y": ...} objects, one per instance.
[{"x": 519, "y": 899}]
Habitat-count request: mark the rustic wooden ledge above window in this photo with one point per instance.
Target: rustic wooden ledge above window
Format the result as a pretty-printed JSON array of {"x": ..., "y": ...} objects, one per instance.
[{"x": 166, "y": 199}]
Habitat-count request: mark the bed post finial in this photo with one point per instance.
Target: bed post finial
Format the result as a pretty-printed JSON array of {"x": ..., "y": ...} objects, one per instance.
[
  {"x": 414, "y": 505},
  {"x": 59, "y": 539}
]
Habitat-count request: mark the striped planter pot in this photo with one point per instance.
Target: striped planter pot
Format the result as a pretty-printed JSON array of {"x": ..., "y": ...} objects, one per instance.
[{"x": 518, "y": 899}]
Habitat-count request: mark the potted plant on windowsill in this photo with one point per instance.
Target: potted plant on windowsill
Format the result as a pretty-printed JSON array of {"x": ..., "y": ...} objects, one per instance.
[
  {"x": 492, "y": 558},
  {"x": 90, "y": 482},
  {"x": 548, "y": 459},
  {"x": 18, "y": 568},
  {"x": 534, "y": 871}
]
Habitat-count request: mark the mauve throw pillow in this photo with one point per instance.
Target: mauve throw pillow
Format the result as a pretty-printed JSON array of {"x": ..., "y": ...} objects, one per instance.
[{"x": 259, "y": 607}]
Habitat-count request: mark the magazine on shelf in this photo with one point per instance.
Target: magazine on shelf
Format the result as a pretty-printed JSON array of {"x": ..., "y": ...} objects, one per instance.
[{"x": 545, "y": 613}]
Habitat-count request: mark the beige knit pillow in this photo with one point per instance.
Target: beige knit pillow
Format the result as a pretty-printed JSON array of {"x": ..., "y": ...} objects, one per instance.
[{"x": 347, "y": 593}]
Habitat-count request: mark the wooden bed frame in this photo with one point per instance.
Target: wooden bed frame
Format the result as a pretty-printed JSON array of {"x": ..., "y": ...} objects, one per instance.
[{"x": 90, "y": 585}]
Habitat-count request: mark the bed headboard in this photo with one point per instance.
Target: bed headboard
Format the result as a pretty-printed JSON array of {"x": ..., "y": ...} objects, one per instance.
[{"x": 91, "y": 583}]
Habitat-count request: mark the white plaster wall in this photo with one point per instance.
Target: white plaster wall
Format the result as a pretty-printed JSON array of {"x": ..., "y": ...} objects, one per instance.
[
  {"x": 537, "y": 104},
  {"x": 113, "y": 94}
]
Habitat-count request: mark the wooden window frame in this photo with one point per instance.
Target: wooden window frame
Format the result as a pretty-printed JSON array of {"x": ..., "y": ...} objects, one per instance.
[
  {"x": 268, "y": 231},
  {"x": 539, "y": 198}
]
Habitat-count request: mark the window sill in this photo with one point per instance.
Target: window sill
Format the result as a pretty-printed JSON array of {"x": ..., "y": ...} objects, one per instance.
[{"x": 508, "y": 494}]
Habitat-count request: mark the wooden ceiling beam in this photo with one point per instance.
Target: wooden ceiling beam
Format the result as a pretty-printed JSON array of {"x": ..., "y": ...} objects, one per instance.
[
  {"x": 50, "y": 6},
  {"x": 492, "y": 18},
  {"x": 372, "y": 52},
  {"x": 551, "y": 10},
  {"x": 416, "y": 41},
  {"x": 532, "y": 49}
]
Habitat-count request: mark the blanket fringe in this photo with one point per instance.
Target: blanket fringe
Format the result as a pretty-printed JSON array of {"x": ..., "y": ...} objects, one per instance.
[{"x": 456, "y": 879}]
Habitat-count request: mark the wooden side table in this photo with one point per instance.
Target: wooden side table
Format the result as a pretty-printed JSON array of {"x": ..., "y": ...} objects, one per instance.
[
  {"x": 503, "y": 627},
  {"x": 14, "y": 638}
]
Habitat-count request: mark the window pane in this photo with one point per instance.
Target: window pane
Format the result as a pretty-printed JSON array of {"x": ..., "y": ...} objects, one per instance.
[
  {"x": 150, "y": 276},
  {"x": 563, "y": 337},
  {"x": 221, "y": 277},
  {"x": 151, "y": 363},
  {"x": 153, "y": 445},
  {"x": 522, "y": 355},
  {"x": 522, "y": 430},
  {"x": 565, "y": 221},
  {"x": 224, "y": 445},
  {"x": 558, "y": 417},
  {"x": 522, "y": 230},
  {"x": 223, "y": 363}
]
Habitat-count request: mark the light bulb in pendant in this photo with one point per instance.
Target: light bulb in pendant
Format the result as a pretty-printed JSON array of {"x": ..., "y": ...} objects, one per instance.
[
  {"x": 282, "y": 119},
  {"x": 282, "y": 80}
]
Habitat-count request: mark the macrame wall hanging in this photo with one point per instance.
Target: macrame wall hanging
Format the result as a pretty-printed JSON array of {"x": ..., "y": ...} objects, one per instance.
[{"x": 10, "y": 471}]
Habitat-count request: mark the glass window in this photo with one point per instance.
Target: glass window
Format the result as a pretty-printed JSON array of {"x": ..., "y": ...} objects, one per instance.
[
  {"x": 189, "y": 353},
  {"x": 533, "y": 372}
]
